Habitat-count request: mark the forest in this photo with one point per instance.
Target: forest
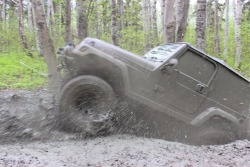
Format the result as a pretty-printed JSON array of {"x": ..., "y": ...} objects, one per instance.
[{"x": 32, "y": 30}]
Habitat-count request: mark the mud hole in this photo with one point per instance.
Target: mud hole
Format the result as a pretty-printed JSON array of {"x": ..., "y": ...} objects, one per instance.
[{"x": 28, "y": 137}]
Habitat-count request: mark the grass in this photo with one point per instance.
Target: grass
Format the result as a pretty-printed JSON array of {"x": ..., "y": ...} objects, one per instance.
[{"x": 17, "y": 70}]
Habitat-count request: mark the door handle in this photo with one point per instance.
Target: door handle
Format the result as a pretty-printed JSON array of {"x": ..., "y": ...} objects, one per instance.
[{"x": 199, "y": 88}]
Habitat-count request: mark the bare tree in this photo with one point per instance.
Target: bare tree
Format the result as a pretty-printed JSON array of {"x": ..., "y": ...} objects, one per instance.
[
  {"x": 3, "y": 10},
  {"x": 20, "y": 23},
  {"x": 208, "y": 13},
  {"x": 169, "y": 22},
  {"x": 216, "y": 29},
  {"x": 67, "y": 33},
  {"x": 237, "y": 30},
  {"x": 50, "y": 13},
  {"x": 30, "y": 17},
  {"x": 162, "y": 14},
  {"x": 114, "y": 22},
  {"x": 82, "y": 19},
  {"x": 226, "y": 30},
  {"x": 182, "y": 8},
  {"x": 154, "y": 22},
  {"x": 200, "y": 24},
  {"x": 97, "y": 24},
  {"x": 146, "y": 24},
  {"x": 47, "y": 47}
]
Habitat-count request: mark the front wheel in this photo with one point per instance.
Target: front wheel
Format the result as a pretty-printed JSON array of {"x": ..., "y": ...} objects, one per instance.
[{"x": 87, "y": 104}]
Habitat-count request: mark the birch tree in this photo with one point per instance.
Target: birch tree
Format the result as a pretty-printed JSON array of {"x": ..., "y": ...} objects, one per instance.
[
  {"x": 216, "y": 29},
  {"x": 162, "y": 14},
  {"x": 200, "y": 24},
  {"x": 154, "y": 22},
  {"x": 67, "y": 33},
  {"x": 182, "y": 8},
  {"x": 50, "y": 13},
  {"x": 47, "y": 47},
  {"x": 30, "y": 17},
  {"x": 114, "y": 22},
  {"x": 237, "y": 30},
  {"x": 146, "y": 24},
  {"x": 82, "y": 21},
  {"x": 20, "y": 23},
  {"x": 1, "y": 9},
  {"x": 169, "y": 22},
  {"x": 3, "y": 14},
  {"x": 208, "y": 13},
  {"x": 97, "y": 25},
  {"x": 226, "y": 30}
]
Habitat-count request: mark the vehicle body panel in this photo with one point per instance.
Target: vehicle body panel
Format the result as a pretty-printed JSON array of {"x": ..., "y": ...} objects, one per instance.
[{"x": 198, "y": 88}]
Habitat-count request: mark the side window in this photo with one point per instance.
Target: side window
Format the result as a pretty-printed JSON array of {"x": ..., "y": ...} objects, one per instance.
[{"x": 196, "y": 66}]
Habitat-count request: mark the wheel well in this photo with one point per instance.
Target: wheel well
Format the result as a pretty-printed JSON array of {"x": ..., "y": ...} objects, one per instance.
[
  {"x": 219, "y": 122},
  {"x": 113, "y": 78}
]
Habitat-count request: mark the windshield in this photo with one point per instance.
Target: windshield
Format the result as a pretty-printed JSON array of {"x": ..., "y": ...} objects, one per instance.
[{"x": 163, "y": 52}]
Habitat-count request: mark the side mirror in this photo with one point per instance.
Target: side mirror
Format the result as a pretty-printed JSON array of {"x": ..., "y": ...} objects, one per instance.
[{"x": 170, "y": 65}]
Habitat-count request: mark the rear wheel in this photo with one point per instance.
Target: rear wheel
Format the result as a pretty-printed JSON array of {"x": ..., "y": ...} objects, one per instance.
[
  {"x": 87, "y": 104},
  {"x": 216, "y": 131}
]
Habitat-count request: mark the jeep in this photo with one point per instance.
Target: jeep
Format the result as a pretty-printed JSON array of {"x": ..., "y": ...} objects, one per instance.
[{"x": 175, "y": 79}]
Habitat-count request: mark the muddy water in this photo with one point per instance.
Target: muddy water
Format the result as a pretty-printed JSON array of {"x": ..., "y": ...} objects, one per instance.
[{"x": 29, "y": 137}]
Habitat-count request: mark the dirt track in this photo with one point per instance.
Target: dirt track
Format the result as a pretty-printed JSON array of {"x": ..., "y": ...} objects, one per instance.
[{"x": 27, "y": 138}]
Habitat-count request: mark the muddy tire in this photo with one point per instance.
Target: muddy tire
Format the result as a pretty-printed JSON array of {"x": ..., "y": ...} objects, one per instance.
[
  {"x": 215, "y": 132},
  {"x": 213, "y": 137},
  {"x": 87, "y": 104}
]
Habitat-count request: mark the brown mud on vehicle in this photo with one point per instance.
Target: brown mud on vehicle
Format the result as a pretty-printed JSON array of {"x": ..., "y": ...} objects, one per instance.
[{"x": 178, "y": 92}]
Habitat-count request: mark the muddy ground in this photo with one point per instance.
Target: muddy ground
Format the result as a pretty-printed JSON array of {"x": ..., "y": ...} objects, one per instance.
[{"x": 29, "y": 137}]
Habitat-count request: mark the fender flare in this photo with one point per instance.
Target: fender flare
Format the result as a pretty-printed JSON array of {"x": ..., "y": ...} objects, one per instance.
[
  {"x": 84, "y": 50},
  {"x": 213, "y": 111}
]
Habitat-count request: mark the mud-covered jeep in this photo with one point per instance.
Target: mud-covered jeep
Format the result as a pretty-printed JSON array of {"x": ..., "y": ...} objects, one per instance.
[{"x": 174, "y": 79}]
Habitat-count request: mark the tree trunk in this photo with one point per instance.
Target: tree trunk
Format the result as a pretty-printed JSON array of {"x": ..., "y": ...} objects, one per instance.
[
  {"x": 67, "y": 33},
  {"x": 104, "y": 16},
  {"x": 114, "y": 23},
  {"x": 30, "y": 17},
  {"x": 169, "y": 22},
  {"x": 51, "y": 19},
  {"x": 237, "y": 28},
  {"x": 20, "y": 23},
  {"x": 47, "y": 48},
  {"x": 121, "y": 4},
  {"x": 4, "y": 11},
  {"x": 1, "y": 10},
  {"x": 82, "y": 21},
  {"x": 226, "y": 30},
  {"x": 97, "y": 25},
  {"x": 146, "y": 25},
  {"x": 38, "y": 42},
  {"x": 162, "y": 15},
  {"x": 182, "y": 9},
  {"x": 200, "y": 24},
  {"x": 154, "y": 22},
  {"x": 216, "y": 29},
  {"x": 208, "y": 13}
]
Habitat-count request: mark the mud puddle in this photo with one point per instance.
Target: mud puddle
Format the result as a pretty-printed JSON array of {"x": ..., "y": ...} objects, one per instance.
[{"x": 28, "y": 138}]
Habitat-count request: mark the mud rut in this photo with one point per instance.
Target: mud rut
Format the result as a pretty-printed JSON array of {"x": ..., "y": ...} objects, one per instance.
[{"x": 29, "y": 137}]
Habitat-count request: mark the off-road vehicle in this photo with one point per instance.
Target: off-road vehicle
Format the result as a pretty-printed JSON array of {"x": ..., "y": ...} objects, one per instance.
[{"x": 176, "y": 79}]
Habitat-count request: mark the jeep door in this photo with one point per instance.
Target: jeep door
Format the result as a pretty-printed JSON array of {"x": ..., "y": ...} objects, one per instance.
[{"x": 184, "y": 88}]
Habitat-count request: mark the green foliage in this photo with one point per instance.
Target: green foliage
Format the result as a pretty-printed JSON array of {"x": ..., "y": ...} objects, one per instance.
[
  {"x": 17, "y": 70},
  {"x": 132, "y": 40}
]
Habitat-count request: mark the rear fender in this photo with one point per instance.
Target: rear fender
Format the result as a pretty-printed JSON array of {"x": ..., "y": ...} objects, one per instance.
[{"x": 211, "y": 112}]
